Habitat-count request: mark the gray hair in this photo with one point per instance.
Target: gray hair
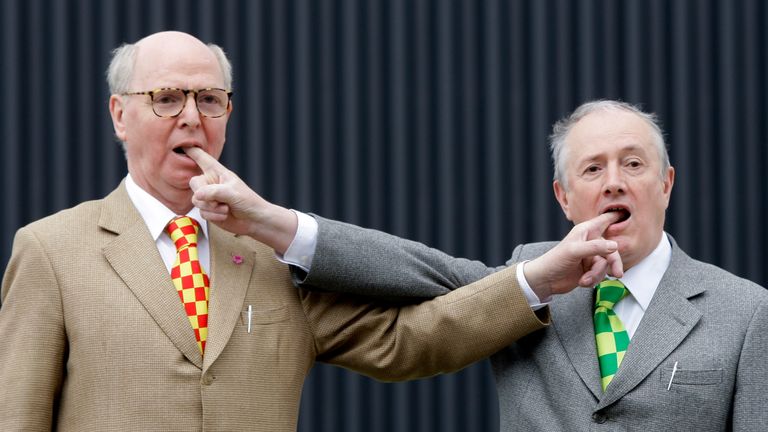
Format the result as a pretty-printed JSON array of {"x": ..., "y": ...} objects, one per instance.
[
  {"x": 120, "y": 71},
  {"x": 563, "y": 127}
]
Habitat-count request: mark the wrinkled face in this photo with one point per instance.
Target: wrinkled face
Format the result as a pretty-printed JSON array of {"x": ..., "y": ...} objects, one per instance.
[
  {"x": 612, "y": 165},
  {"x": 153, "y": 144}
]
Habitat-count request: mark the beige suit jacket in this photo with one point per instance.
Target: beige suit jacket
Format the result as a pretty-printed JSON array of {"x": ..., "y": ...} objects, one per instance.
[{"x": 95, "y": 338}]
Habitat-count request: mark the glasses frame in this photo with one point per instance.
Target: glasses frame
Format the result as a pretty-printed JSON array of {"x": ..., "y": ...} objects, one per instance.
[{"x": 151, "y": 94}]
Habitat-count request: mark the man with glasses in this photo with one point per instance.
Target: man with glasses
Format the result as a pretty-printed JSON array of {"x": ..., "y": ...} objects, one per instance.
[{"x": 132, "y": 313}]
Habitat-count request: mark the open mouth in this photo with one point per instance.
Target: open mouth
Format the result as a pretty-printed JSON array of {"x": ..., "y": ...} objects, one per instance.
[
  {"x": 624, "y": 213},
  {"x": 179, "y": 150}
]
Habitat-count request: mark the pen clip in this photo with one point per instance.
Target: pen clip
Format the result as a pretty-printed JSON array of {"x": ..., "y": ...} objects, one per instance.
[
  {"x": 250, "y": 316},
  {"x": 674, "y": 370}
]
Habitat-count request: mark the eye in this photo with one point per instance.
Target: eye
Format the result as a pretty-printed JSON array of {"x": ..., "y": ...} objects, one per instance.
[
  {"x": 634, "y": 163},
  {"x": 166, "y": 98},
  {"x": 208, "y": 99},
  {"x": 212, "y": 97},
  {"x": 592, "y": 169}
]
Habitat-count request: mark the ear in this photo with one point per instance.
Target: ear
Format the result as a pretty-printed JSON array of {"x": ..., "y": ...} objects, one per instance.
[
  {"x": 229, "y": 109},
  {"x": 562, "y": 197},
  {"x": 117, "y": 110},
  {"x": 669, "y": 181}
]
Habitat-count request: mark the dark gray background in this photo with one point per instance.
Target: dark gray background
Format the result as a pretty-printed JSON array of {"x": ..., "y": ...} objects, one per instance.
[{"x": 427, "y": 119}]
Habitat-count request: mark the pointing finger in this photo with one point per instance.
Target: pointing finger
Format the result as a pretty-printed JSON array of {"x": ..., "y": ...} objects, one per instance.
[
  {"x": 597, "y": 226},
  {"x": 206, "y": 162}
]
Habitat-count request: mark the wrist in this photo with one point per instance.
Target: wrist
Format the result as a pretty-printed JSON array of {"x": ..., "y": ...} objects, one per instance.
[
  {"x": 535, "y": 275},
  {"x": 275, "y": 226}
]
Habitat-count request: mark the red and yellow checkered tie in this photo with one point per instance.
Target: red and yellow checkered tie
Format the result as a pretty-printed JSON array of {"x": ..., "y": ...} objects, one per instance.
[{"x": 189, "y": 277}]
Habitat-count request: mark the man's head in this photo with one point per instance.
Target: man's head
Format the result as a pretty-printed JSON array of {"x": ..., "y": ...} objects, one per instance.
[
  {"x": 153, "y": 144},
  {"x": 610, "y": 156}
]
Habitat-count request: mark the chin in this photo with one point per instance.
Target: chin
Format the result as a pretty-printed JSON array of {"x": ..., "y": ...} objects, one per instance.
[
  {"x": 180, "y": 182},
  {"x": 623, "y": 242}
]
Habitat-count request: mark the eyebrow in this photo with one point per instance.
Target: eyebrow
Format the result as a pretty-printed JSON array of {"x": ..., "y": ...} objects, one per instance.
[{"x": 628, "y": 149}]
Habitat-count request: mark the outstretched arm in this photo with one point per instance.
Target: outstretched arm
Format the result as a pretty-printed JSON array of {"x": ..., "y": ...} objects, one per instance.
[
  {"x": 368, "y": 262},
  {"x": 353, "y": 259}
]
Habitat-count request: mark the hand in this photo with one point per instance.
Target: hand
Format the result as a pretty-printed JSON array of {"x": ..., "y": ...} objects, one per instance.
[
  {"x": 582, "y": 258},
  {"x": 224, "y": 199}
]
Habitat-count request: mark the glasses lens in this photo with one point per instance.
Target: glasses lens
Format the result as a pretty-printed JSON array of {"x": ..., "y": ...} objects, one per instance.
[
  {"x": 168, "y": 102},
  {"x": 213, "y": 102}
]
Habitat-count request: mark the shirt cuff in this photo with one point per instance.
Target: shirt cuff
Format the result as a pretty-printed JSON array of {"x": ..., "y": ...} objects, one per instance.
[
  {"x": 533, "y": 300},
  {"x": 302, "y": 249}
]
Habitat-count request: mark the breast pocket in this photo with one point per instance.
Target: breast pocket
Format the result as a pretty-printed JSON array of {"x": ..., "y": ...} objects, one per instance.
[
  {"x": 698, "y": 385},
  {"x": 256, "y": 316},
  {"x": 683, "y": 376}
]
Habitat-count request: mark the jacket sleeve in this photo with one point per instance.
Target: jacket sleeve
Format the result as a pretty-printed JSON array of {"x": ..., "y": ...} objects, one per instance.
[
  {"x": 440, "y": 335},
  {"x": 366, "y": 262},
  {"x": 33, "y": 355}
]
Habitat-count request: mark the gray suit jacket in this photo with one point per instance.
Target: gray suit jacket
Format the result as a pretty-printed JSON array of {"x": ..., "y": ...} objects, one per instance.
[{"x": 712, "y": 323}]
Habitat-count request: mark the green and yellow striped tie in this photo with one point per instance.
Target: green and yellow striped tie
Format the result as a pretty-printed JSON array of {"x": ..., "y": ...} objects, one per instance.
[{"x": 611, "y": 337}]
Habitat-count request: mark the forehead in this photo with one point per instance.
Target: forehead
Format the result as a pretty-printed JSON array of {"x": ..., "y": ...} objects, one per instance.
[
  {"x": 182, "y": 65},
  {"x": 607, "y": 133}
]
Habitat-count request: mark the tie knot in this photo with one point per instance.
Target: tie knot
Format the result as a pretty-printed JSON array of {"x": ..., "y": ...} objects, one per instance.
[
  {"x": 183, "y": 231},
  {"x": 609, "y": 292}
]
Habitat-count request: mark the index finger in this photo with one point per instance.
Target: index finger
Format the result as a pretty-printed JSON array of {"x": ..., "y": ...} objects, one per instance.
[
  {"x": 597, "y": 226},
  {"x": 206, "y": 162}
]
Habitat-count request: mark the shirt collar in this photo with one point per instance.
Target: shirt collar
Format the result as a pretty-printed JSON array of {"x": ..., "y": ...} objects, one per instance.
[
  {"x": 643, "y": 279},
  {"x": 155, "y": 214}
]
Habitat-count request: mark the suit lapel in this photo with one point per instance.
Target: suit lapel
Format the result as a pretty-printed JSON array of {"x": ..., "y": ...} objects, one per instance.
[
  {"x": 134, "y": 257},
  {"x": 669, "y": 319},
  {"x": 572, "y": 320},
  {"x": 229, "y": 283}
]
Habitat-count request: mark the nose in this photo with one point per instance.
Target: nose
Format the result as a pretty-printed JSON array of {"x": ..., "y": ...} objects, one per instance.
[
  {"x": 614, "y": 181},
  {"x": 189, "y": 115}
]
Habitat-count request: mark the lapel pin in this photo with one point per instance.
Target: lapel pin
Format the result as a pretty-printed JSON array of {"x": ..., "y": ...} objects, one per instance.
[{"x": 237, "y": 259}]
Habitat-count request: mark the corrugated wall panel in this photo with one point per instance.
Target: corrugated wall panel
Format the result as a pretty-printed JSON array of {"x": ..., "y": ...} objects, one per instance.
[{"x": 425, "y": 118}]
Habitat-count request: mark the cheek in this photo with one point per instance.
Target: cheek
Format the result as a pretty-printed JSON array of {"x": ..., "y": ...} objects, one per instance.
[
  {"x": 148, "y": 145},
  {"x": 584, "y": 203},
  {"x": 580, "y": 212},
  {"x": 216, "y": 136},
  {"x": 574, "y": 212},
  {"x": 149, "y": 131},
  {"x": 657, "y": 199},
  {"x": 147, "y": 156}
]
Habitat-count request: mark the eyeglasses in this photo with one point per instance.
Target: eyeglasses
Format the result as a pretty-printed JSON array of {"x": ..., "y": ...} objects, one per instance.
[{"x": 170, "y": 102}]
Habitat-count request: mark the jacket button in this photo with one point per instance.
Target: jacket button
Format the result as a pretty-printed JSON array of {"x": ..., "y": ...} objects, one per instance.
[
  {"x": 599, "y": 417},
  {"x": 207, "y": 379}
]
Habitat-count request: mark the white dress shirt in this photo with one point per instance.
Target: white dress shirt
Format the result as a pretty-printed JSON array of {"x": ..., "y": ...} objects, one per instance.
[
  {"x": 641, "y": 281},
  {"x": 156, "y": 216}
]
